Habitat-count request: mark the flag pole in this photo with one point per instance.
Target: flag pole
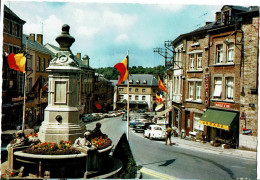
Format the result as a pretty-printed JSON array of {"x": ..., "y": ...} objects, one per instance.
[
  {"x": 25, "y": 86},
  {"x": 24, "y": 101},
  {"x": 128, "y": 98}
]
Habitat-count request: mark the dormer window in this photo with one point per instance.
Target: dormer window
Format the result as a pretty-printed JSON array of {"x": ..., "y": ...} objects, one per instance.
[
  {"x": 137, "y": 82},
  {"x": 144, "y": 82},
  {"x": 226, "y": 17},
  {"x": 131, "y": 81}
]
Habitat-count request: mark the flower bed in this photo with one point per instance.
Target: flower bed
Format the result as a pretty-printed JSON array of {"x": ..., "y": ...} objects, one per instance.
[
  {"x": 49, "y": 148},
  {"x": 101, "y": 142}
]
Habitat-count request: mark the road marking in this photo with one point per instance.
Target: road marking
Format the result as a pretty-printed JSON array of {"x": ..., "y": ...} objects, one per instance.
[{"x": 155, "y": 174}]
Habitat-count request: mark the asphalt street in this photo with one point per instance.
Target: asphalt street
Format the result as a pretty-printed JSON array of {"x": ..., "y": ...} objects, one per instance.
[{"x": 159, "y": 161}]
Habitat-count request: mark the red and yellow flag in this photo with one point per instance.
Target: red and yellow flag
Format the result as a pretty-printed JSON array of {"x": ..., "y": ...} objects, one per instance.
[
  {"x": 17, "y": 62},
  {"x": 160, "y": 84},
  {"x": 123, "y": 69},
  {"x": 158, "y": 98}
]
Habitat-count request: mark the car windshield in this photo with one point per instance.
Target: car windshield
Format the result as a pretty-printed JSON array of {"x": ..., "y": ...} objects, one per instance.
[{"x": 157, "y": 128}]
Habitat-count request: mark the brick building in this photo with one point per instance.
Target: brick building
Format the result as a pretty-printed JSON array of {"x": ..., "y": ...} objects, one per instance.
[
  {"x": 12, "y": 81},
  {"x": 103, "y": 94},
  {"x": 215, "y": 75}
]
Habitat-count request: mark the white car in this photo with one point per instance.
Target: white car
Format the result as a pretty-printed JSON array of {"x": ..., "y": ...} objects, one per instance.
[{"x": 155, "y": 132}]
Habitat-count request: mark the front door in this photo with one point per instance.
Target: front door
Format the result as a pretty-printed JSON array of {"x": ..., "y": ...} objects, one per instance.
[{"x": 187, "y": 122}]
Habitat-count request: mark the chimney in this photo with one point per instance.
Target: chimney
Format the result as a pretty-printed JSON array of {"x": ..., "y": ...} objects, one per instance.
[
  {"x": 86, "y": 60},
  {"x": 79, "y": 55},
  {"x": 32, "y": 37},
  {"x": 40, "y": 38},
  {"x": 218, "y": 16}
]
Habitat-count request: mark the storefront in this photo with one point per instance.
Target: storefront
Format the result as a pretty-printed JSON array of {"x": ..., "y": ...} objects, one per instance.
[{"x": 221, "y": 126}]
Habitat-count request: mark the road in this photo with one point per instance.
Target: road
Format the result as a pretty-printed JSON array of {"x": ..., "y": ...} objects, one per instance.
[{"x": 165, "y": 162}]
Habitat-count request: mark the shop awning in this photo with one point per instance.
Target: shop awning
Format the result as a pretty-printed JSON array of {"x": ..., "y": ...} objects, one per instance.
[
  {"x": 218, "y": 119},
  {"x": 161, "y": 113},
  {"x": 98, "y": 106}
]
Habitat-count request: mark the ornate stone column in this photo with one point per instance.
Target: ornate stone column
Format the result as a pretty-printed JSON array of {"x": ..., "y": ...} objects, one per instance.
[{"x": 62, "y": 120}]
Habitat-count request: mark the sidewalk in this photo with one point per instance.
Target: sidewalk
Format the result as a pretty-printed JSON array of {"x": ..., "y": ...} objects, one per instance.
[{"x": 211, "y": 149}]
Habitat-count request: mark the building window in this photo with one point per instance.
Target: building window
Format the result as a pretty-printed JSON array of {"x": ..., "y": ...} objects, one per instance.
[
  {"x": 154, "y": 98},
  {"x": 196, "y": 126},
  {"x": 144, "y": 82},
  {"x": 29, "y": 84},
  {"x": 137, "y": 82},
  {"x": 226, "y": 17},
  {"x": 230, "y": 52},
  {"x": 121, "y": 97},
  {"x": 130, "y": 89},
  {"x": 143, "y": 98},
  {"x": 154, "y": 90},
  {"x": 121, "y": 89},
  {"x": 191, "y": 89},
  {"x": 18, "y": 30},
  {"x": 191, "y": 63},
  {"x": 217, "y": 87},
  {"x": 136, "y": 97},
  {"x": 198, "y": 90},
  {"x": 199, "y": 61},
  {"x": 130, "y": 97},
  {"x": 136, "y": 89},
  {"x": 38, "y": 64},
  {"x": 10, "y": 27},
  {"x": 43, "y": 65},
  {"x": 143, "y": 90},
  {"x": 131, "y": 81},
  {"x": 219, "y": 55},
  {"x": 229, "y": 88}
]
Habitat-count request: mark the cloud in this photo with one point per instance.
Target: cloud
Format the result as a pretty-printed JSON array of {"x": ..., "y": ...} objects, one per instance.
[
  {"x": 122, "y": 38},
  {"x": 171, "y": 7}
]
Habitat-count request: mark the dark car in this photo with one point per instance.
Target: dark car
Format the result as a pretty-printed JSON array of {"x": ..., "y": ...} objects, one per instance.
[
  {"x": 88, "y": 118},
  {"x": 140, "y": 111},
  {"x": 140, "y": 127}
]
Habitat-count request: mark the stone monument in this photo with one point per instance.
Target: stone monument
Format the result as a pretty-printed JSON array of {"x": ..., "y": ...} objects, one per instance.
[{"x": 62, "y": 120}]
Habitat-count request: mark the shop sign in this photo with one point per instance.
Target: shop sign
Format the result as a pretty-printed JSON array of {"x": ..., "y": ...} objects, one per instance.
[
  {"x": 247, "y": 131},
  {"x": 206, "y": 101},
  {"x": 215, "y": 125},
  {"x": 220, "y": 104}
]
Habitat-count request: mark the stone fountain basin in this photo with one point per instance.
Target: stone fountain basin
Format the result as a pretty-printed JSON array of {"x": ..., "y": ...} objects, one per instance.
[
  {"x": 63, "y": 166},
  {"x": 60, "y": 166}
]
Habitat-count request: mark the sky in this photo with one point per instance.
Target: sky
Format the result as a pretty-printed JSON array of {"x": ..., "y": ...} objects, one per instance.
[{"x": 106, "y": 32}]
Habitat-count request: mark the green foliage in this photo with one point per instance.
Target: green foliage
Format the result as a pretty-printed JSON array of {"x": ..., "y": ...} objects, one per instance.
[
  {"x": 124, "y": 153},
  {"x": 111, "y": 73}
]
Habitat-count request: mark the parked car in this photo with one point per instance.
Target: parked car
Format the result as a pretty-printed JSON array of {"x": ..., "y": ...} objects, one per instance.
[
  {"x": 141, "y": 127},
  {"x": 88, "y": 118},
  {"x": 140, "y": 111},
  {"x": 134, "y": 122},
  {"x": 155, "y": 132}
]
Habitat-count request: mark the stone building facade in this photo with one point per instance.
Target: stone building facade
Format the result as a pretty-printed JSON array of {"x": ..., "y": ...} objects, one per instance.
[{"x": 142, "y": 92}]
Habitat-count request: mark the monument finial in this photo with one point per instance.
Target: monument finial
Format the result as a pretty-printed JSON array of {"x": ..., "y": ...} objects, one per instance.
[{"x": 65, "y": 40}]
